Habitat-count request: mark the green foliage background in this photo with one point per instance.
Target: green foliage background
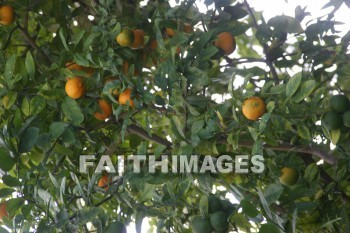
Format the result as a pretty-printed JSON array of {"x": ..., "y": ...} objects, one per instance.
[{"x": 43, "y": 131}]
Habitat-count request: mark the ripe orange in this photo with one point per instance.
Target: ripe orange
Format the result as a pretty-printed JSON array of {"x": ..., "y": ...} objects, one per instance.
[
  {"x": 103, "y": 181},
  {"x": 170, "y": 32},
  {"x": 187, "y": 28},
  {"x": 7, "y": 15},
  {"x": 125, "y": 96},
  {"x": 73, "y": 66},
  {"x": 253, "y": 108},
  {"x": 3, "y": 211},
  {"x": 125, "y": 37},
  {"x": 226, "y": 42},
  {"x": 75, "y": 87},
  {"x": 138, "y": 39},
  {"x": 105, "y": 110}
]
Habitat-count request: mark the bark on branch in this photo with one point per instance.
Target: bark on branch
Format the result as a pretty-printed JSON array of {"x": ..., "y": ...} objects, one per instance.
[{"x": 134, "y": 129}]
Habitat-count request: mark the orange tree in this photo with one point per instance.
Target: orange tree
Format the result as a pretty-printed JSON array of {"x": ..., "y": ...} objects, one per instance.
[{"x": 159, "y": 94}]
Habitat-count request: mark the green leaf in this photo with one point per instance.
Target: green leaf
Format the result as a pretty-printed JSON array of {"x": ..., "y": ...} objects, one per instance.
[
  {"x": 37, "y": 104},
  {"x": 311, "y": 173},
  {"x": 284, "y": 23},
  {"x": 264, "y": 203},
  {"x": 303, "y": 132},
  {"x": 263, "y": 121},
  {"x": 178, "y": 125},
  {"x": 28, "y": 139},
  {"x": 293, "y": 84},
  {"x": 14, "y": 205},
  {"x": 11, "y": 181},
  {"x": 56, "y": 129},
  {"x": 30, "y": 65},
  {"x": 203, "y": 205},
  {"x": 273, "y": 192},
  {"x": 305, "y": 90},
  {"x": 5, "y": 192},
  {"x": 335, "y": 135},
  {"x": 63, "y": 39},
  {"x": 25, "y": 106},
  {"x": 269, "y": 228},
  {"x": 7, "y": 161},
  {"x": 10, "y": 67},
  {"x": 9, "y": 99},
  {"x": 71, "y": 109},
  {"x": 249, "y": 209}
]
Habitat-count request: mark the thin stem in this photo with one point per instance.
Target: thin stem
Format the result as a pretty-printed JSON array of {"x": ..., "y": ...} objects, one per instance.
[
  {"x": 30, "y": 40},
  {"x": 265, "y": 46}
]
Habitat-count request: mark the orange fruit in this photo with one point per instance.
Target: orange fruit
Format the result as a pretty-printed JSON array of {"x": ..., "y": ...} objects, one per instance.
[
  {"x": 125, "y": 96},
  {"x": 226, "y": 42},
  {"x": 138, "y": 39},
  {"x": 103, "y": 181},
  {"x": 289, "y": 176},
  {"x": 253, "y": 108},
  {"x": 125, "y": 37},
  {"x": 75, "y": 87},
  {"x": 105, "y": 110},
  {"x": 3, "y": 211},
  {"x": 170, "y": 32},
  {"x": 154, "y": 45},
  {"x": 73, "y": 66},
  {"x": 187, "y": 28},
  {"x": 7, "y": 15}
]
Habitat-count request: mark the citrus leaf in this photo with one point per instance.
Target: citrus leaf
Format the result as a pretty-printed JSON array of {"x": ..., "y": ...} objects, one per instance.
[
  {"x": 56, "y": 129},
  {"x": 293, "y": 84},
  {"x": 11, "y": 181},
  {"x": 30, "y": 65},
  {"x": 311, "y": 173},
  {"x": 71, "y": 109},
  {"x": 37, "y": 104},
  {"x": 9, "y": 99},
  {"x": 335, "y": 135},
  {"x": 178, "y": 126},
  {"x": 28, "y": 139},
  {"x": 304, "y": 132},
  {"x": 7, "y": 161},
  {"x": 10, "y": 67},
  {"x": 6, "y": 192},
  {"x": 305, "y": 90}
]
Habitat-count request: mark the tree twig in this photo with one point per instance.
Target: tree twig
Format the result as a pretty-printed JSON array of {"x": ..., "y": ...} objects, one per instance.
[
  {"x": 30, "y": 40},
  {"x": 265, "y": 46},
  {"x": 134, "y": 129}
]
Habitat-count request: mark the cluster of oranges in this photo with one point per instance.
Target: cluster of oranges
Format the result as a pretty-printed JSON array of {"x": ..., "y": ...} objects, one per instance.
[
  {"x": 131, "y": 38},
  {"x": 7, "y": 15},
  {"x": 134, "y": 39},
  {"x": 75, "y": 88}
]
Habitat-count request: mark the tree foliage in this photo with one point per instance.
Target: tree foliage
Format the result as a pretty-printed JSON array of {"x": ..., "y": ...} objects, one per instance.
[{"x": 294, "y": 63}]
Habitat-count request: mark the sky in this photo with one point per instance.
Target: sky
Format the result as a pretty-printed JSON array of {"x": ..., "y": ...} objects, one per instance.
[{"x": 271, "y": 8}]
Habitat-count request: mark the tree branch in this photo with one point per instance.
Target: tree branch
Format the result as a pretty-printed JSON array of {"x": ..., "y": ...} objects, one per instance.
[
  {"x": 134, "y": 129},
  {"x": 30, "y": 40},
  {"x": 265, "y": 46}
]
